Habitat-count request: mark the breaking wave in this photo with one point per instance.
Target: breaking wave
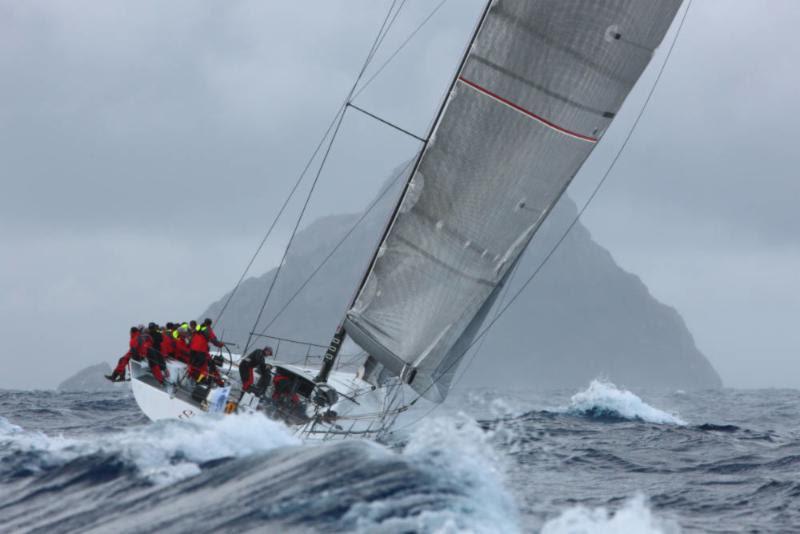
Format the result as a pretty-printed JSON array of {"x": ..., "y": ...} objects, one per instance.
[
  {"x": 162, "y": 453},
  {"x": 465, "y": 467},
  {"x": 446, "y": 477},
  {"x": 604, "y": 400},
  {"x": 635, "y": 517}
]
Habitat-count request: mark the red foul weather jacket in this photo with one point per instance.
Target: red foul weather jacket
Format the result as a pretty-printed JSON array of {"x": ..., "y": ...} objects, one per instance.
[
  {"x": 181, "y": 350},
  {"x": 134, "y": 342},
  {"x": 212, "y": 337},
  {"x": 143, "y": 344},
  {"x": 199, "y": 342},
  {"x": 168, "y": 346}
]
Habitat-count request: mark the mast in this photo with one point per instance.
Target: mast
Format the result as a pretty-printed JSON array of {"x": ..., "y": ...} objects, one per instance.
[
  {"x": 539, "y": 86},
  {"x": 338, "y": 338}
]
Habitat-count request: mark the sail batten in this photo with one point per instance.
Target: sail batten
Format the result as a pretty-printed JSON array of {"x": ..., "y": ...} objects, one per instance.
[{"x": 538, "y": 88}]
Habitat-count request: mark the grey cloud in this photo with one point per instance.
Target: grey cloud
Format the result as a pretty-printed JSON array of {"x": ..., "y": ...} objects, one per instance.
[{"x": 144, "y": 148}]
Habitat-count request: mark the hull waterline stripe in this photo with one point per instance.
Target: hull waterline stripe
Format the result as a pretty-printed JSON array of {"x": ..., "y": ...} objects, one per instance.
[{"x": 527, "y": 113}]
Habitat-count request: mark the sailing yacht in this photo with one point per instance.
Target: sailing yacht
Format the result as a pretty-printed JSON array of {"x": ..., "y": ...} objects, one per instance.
[{"x": 537, "y": 88}]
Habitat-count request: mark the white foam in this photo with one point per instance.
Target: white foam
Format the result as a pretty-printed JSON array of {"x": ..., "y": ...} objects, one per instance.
[
  {"x": 605, "y": 397},
  {"x": 635, "y": 517},
  {"x": 163, "y": 452},
  {"x": 7, "y": 427},
  {"x": 457, "y": 450}
]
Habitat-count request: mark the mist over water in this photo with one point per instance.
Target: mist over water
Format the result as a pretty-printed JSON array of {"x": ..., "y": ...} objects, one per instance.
[{"x": 602, "y": 459}]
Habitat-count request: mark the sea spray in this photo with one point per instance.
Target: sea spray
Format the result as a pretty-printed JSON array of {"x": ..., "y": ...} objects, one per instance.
[
  {"x": 605, "y": 400},
  {"x": 635, "y": 517},
  {"x": 554, "y": 462},
  {"x": 162, "y": 452},
  {"x": 459, "y": 457}
]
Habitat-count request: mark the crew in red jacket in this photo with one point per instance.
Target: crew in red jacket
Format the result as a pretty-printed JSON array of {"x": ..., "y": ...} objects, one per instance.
[
  {"x": 118, "y": 375},
  {"x": 282, "y": 389},
  {"x": 200, "y": 364},
  {"x": 143, "y": 344},
  {"x": 212, "y": 337},
  {"x": 179, "y": 336},
  {"x": 198, "y": 357},
  {"x": 152, "y": 347},
  {"x": 167, "y": 342}
]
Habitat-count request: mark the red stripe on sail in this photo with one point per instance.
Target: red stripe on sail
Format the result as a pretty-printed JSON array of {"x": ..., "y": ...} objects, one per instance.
[{"x": 530, "y": 114}]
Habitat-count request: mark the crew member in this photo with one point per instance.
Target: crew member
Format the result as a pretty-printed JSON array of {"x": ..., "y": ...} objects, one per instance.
[
  {"x": 200, "y": 359},
  {"x": 143, "y": 344},
  {"x": 167, "y": 342},
  {"x": 154, "y": 357},
  {"x": 255, "y": 360},
  {"x": 118, "y": 375},
  {"x": 179, "y": 337},
  {"x": 282, "y": 391},
  {"x": 212, "y": 337}
]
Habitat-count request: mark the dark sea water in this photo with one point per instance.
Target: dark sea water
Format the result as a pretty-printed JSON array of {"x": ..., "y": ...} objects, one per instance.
[{"x": 598, "y": 460}]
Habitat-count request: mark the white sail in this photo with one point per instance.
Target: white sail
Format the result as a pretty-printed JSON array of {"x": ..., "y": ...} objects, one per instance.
[{"x": 539, "y": 87}]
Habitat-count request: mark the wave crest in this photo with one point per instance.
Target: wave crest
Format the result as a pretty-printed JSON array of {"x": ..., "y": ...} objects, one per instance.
[
  {"x": 605, "y": 400},
  {"x": 634, "y": 517},
  {"x": 163, "y": 452},
  {"x": 460, "y": 462}
]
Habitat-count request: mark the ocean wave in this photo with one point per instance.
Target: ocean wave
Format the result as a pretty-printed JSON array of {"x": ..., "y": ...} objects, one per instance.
[
  {"x": 635, "y": 517},
  {"x": 162, "y": 452},
  {"x": 711, "y": 427},
  {"x": 463, "y": 465},
  {"x": 446, "y": 478},
  {"x": 604, "y": 400}
]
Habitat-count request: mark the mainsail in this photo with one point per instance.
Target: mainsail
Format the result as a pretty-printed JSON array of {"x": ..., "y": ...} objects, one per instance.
[{"x": 538, "y": 87}]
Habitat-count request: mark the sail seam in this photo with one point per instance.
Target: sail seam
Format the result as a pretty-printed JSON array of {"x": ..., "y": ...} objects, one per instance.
[
  {"x": 542, "y": 89},
  {"x": 527, "y": 113},
  {"x": 443, "y": 264},
  {"x": 550, "y": 41}
]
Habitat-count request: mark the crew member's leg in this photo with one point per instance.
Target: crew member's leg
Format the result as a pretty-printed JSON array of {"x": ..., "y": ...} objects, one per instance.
[
  {"x": 197, "y": 361},
  {"x": 119, "y": 371},
  {"x": 213, "y": 372},
  {"x": 246, "y": 374},
  {"x": 156, "y": 362}
]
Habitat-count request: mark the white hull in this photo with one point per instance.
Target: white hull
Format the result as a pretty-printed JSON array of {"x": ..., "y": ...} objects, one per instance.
[{"x": 361, "y": 410}]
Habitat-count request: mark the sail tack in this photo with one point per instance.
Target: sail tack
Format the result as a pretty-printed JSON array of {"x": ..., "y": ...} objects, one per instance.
[{"x": 540, "y": 86}]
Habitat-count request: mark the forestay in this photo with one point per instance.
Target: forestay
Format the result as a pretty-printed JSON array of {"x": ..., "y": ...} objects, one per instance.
[{"x": 539, "y": 87}]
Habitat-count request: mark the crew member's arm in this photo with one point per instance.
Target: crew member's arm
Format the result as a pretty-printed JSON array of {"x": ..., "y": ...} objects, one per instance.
[{"x": 212, "y": 337}]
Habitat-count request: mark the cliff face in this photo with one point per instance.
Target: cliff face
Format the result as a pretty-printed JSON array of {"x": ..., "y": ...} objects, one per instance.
[
  {"x": 89, "y": 379},
  {"x": 583, "y": 317}
]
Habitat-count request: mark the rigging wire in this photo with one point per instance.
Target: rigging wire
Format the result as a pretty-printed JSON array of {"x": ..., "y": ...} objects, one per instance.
[
  {"x": 572, "y": 224},
  {"x": 363, "y": 216},
  {"x": 382, "y": 32},
  {"x": 322, "y": 142},
  {"x": 399, "y": 49},
  {"x": 278, "y": 215}
]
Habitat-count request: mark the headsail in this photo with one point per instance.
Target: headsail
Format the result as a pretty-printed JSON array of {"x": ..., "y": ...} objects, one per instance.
[{"x": 539, "y": 86}]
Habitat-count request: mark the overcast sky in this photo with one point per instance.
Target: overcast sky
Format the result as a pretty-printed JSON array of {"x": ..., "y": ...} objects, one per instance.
[{"x": 144, "y": 147}]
